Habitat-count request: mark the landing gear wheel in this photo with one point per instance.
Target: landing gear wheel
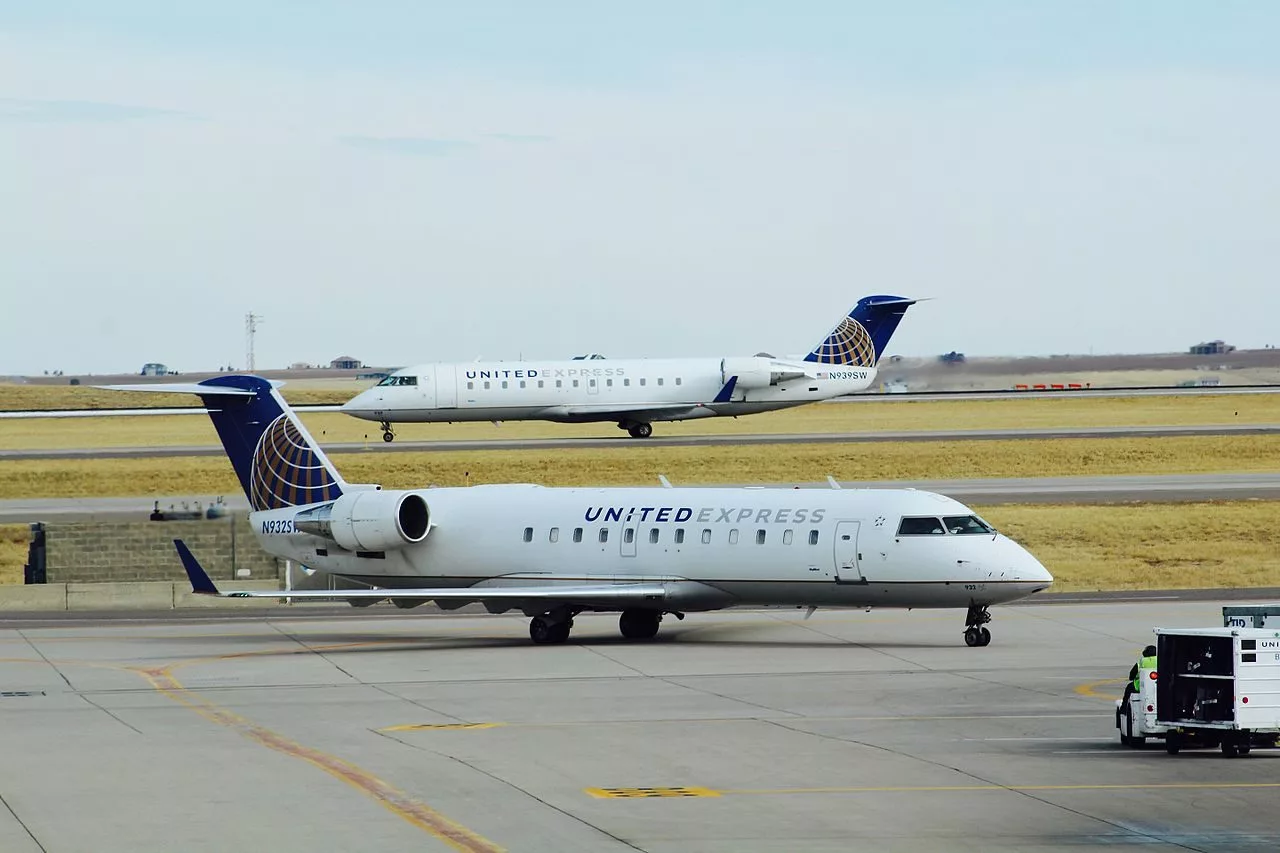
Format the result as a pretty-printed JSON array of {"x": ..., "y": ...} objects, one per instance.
[
  {"x": 640, "y": 430},
  {"x": 388, "y": 434},
  {"x": 544, "y": 631},
  {"x": 639, "y": 624},
  {"x": 974, "y": 633}
]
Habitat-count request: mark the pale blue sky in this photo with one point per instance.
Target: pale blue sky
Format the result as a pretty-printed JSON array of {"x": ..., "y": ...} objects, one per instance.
[{"x": 415, "y": 181}]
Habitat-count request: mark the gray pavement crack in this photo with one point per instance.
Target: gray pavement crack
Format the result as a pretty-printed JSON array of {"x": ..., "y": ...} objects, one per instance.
[
  {"x": 23, "y": 824},
  {"x": 1128, "y": 830}
]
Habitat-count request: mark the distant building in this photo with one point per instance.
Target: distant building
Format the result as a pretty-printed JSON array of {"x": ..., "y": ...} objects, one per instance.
[
  {"x": 952, "y": 357},
  {"x": 1212, "y": 348},
  {"x": 154, "y": 368},
  {"x": 346, "y": 362}
]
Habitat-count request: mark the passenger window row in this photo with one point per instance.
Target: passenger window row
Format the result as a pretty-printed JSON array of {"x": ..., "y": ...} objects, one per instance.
[{"x": 677, "y": 536}]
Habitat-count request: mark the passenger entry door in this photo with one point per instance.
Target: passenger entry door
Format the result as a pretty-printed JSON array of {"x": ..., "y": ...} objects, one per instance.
[
  {"x": 446, "y": 386},
  {"x": 848, "y": 567},
  {"x": 628, "y": 540}
]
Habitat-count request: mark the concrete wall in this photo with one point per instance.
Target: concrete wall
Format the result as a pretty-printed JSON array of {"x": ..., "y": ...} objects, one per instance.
[{"x": 140, "y": 551}]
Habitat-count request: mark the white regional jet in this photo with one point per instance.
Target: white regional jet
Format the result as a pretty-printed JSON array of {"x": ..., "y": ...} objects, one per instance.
[
  {"x": 552, "y": 553},
  {"x": 636, "y": 392}
]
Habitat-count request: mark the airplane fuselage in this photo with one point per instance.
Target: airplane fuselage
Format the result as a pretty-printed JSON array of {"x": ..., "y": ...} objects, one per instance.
[
  {"x": 708, "y": 548},
  {"x": 621, "y": 390}
]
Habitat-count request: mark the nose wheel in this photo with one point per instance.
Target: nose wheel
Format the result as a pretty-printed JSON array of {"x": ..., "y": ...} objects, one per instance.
[
  {"x": 974, "y": 632},
  {"x": 388, "y": 434}
]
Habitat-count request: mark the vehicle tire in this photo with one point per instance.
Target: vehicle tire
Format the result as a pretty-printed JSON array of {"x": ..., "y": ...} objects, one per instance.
[
  {"x": 1172, "y": 743},
  {"x": 639, "y": 624},
  {"x": 1229, "y": 748},
  {"x": 984, "y": 637},
  {"x": 972, "y": 637},
  {"x": 640, "y": 430},
  {"x": 388, "y": 436}
]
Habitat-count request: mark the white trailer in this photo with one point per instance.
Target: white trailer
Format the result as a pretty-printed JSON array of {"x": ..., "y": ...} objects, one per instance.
[{"x": 1218, "y": 685}]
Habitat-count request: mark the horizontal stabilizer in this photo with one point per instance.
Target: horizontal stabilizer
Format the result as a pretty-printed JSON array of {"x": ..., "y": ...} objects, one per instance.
[
  {"x": 184, "y": 388},
  {"x": 608, "y": 594}
]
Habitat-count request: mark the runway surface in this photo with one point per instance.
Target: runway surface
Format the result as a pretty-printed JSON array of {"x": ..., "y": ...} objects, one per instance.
[
  {"x": 675, "y": 441},
  {"x": 1066, "y": 490},
  {"x": 741, "y": 731}
]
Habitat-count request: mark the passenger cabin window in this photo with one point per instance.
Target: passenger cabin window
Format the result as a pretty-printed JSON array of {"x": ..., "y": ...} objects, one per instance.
[
  {"x": 559, "y": 383},
  {"x": 604, "y": 534},
  {"x": 733, "y": 536},
  {"x": 577, "y": 534},
  {"x": 629, "y": 535},
  {"x": 787, "y": 537},
  {"x": 541, "y": 383},
  {"x": 627, "y": 383},
  {"x": 521, "y": 383},
  {"x": 920, "y": 526},
  {"x": 553, "y": 535},
  {"x": 486, "y": 386},
  {"x": 813, "y": 537},
  {"x": 679, "y": 535},
  {"x": 504, "y": 383},
  {"x": 653, "y": 536},
  {"x": 592, "y": 382},
  {"x": 967, "y": 524},
  {"x": 706, "y": 536},
  {"x": 528, "y": 534},
  {"x": 760, "y": 534},
  {"x": 398, "y": 380},
  {"x": 575, "y": 383},
  {"x": 609, "y": 382},
  {"x": 659, "y": 380},
  {"x": 641, "y": 381},
  {"x": 679, "y": 381},
  {"x": 471, "y": 386}
]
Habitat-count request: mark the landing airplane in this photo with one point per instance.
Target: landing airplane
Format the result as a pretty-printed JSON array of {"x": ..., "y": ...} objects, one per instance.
[
  {"x": 636, "y": 392},
  {"x": 552, "y": 553}
]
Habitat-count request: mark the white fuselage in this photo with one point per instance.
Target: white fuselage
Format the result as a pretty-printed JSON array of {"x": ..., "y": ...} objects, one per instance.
[
  {"x": 709, "y": 547},
  {"x": 585, "y": 390}
]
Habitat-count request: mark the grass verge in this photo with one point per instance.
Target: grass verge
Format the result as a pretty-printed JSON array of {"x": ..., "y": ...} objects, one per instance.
[
  {"x": 13, "y": 551},
  {"x": 629, "y": 465},
  {"x": 877, "y": 416}
]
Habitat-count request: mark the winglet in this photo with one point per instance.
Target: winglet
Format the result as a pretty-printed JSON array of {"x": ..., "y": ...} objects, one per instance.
[{"x": 200, "y": 582}]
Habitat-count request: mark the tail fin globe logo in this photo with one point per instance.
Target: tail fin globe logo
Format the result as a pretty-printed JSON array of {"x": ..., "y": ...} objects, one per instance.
[
  {"x": 849, "y": 343},
  {"x": 286, "y": 471}
]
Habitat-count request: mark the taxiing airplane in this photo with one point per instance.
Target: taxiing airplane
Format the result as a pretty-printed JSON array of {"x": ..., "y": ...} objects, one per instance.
[
  {"x": 636, "y": 392},
  {"x": 552, "y": 553}
]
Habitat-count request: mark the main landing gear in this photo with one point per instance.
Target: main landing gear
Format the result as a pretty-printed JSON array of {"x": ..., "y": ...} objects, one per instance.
[
  {"x": 550, "y": 628},
  {"x": 974, "y": 633},
  {"x": 637, "y": 430},
  {"x": 388, "y": 434},
  {"x": 639, "y": 624}
]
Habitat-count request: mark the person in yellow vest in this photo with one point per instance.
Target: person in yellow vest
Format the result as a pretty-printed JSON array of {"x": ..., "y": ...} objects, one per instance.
[{"x": 1146, "y": 661}]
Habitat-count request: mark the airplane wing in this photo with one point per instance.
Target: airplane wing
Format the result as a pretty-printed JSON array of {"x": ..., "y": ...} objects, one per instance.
[
  {"x": 105, "y": 413},
  {"x": 610, "y": 595}
]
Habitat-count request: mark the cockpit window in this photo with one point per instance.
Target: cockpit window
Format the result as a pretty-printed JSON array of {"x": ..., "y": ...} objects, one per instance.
[
  {"x": 399, "y": 380},
  {"x": 967, "y": 524},
  {"x": 920, "y": 526}
]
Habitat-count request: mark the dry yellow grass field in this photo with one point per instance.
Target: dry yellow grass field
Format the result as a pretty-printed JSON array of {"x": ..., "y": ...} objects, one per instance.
[
  {"x": 13, "y": 551},
  {"x": 629, "y": 465},
  {"x": 881, "y": 415},
  {"x": 13, "y": 397},
  {"x": 1149, "y": 546},
  {"x": 1152, "y": 546}
]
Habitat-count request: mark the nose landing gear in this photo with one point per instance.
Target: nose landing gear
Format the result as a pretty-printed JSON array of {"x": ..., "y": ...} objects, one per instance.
[
  {"x": 388, "y": 434},
  {"x": 974, "y": 633}
]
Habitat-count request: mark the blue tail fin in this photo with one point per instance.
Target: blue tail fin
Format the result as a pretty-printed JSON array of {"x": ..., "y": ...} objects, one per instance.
[
  {"x": 276, "y": 459},
  {"x": 861, "y": 338}
]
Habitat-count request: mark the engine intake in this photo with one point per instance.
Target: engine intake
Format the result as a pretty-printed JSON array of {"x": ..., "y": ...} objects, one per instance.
[{"x": 369, "y": 520}]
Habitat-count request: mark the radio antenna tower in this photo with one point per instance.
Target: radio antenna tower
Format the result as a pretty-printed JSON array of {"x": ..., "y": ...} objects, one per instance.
[{"x": 251, "y": 322}]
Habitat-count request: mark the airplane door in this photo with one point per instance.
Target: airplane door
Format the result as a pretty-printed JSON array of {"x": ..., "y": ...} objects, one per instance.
[
  {"x": 446, "y": 386},
  {"x": 848, "y": 568},
  {"x": 629, "y": 534}
]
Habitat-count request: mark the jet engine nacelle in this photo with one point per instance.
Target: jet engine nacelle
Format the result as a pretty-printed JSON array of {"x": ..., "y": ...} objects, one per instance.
[
  {"x": 751, "y": 372},
  {"x": 369, "y": 520}
]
